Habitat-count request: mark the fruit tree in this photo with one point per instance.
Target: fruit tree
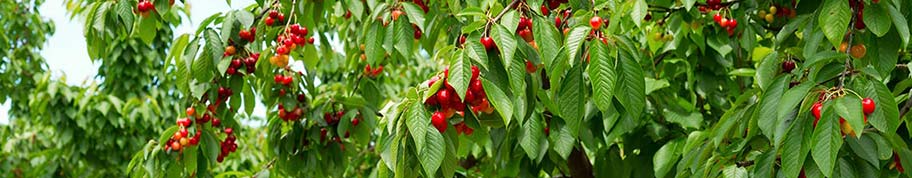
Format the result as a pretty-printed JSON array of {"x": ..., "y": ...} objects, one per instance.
[{"x": 472, "y": 88}]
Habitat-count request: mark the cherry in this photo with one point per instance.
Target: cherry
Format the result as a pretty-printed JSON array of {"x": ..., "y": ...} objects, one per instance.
[
  {"x": 175, "y": 146},
  {"x": 717, "y": 18},
  {"x": 270, "y": 21},
  {"x": 295, "y": 28},
  {"x": 530, "y": 68},
  {"x": 346, "y": 134},
  {"x": 177, "y": 136},
  {"x": 843, "y": 46},
  {"x": 417, "y": 33},
  {"x": 355, "y": 121},
  {"x": 488, "y": 43},
  {"x": 191, "y": 111},
  {"x": 230, "y": 50},
  {"x": 868, "y": 105},
  {"x": 438, "y": 119},
  {"x": 299, "y": 40},
  {"x": 462, "y": 39},
  {"x": 323, "y": 134},
  {"x": 595, "y": 22},
  {"x": 281, "y": 17},
  {"x": 310, "y": 40},
  {"x": 724, "y": 23},
  {"x": 194, "y": 140},
  {"x": 235, "y": 63},
  {"x": 274, "y": 13},
  {"x": 475, "y": 72},
  {"x": 858, "y": 51},
  {"x": 282, "y": 50},
  {"x": 278, "y": 78},
  {"x": 396, "y": 13},
  {"x": 205, "y": 118},
  {"x": 216, "y": 122},
  {"x": 301, "y": 97},
  {"x": 815, "y": 109},
  {"x": 229, "y": 131},
  {"x": 287, "y": 80},
  {"x": 443, "y": 96},
  {"x": 544, "y": 10},
  {"x": 184, "y": 132},
  {"x": 348, "y": 14},
  {"x": 231, "y": 71},
  {"x": 557, "y": 21},
  {"x": 526, "y": 34},
  {"x": 476, "y": 85},
  {"x": 788, "y": 66}
]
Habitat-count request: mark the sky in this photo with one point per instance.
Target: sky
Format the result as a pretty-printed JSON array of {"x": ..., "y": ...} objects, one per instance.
[{"x": 66, "y": 53}]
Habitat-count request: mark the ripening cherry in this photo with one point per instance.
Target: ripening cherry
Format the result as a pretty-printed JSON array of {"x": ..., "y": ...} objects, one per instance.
[
  {"x": 230, "y": 50},
  {"x": 396, "y": 13},
  {"x": 175, "y": 146},
  {"x": 868, "y": 105},
  {"x": 858, "y": 51},
  {"x": 595, "y": 22}
]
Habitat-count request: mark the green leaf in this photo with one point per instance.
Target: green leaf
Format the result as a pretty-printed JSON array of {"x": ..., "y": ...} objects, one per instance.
[
  {"x": 692, "y": 120},
  {"x": 767, "y": 70},
  {"x": 849, "y": 107},
  {"x": 666, "y": 157},
  {"x": 189, "y": 159},
  {"x": 790, "y": 28},
  {"x": 631, "y": 82},
  {"x": 574, "y": 39},
  {"x": 472, "y": 11},
  {"x": 834, "y": 21},
  {"x": 415, "y": 14},
  {"x": 769, "y": 104},
  {"x": 460, "y": 74},
  {"x": 639, "y": 12},
  {"x": 794, "y": 151},
  {"x": 432, "y": 155},
  {"x": 877, "y": 18},
  {"x": 826, "y": 140},
  {"x": 571, "y": 99},
  {"x": 532, "y": 136},
  {"x": 602, "y": 75},
  {"x": 901, "y": 25},
  {"x": 545, "y": 36},
  {"x": 249, "y": 99},
  {"x": 510, "y": 20},
  {"x": 499, "y": 100},
  {"x": 734, "y": 171},
  {"x": 791, "y": 99},
  {"x": 505, "y": 43},
  {"x": 417, "y": 120},
  {"x": 404, "y": 37},
  {"x": 373, "y": 43},
  {"x": 865, "y": 148},
  {"x": 653, "y": 84},
  {"x": 743, "y": 72},
  {"x": 214, "y": 44},
  {"x": 561, "y": 138},
  {"x": 210, "y": 145},
  {"x": 228, "y": 24}
]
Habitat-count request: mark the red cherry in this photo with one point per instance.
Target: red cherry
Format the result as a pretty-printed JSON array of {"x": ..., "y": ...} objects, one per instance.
[
  {"x": 815, "y": 110},
  {"x": 526, "y": 34},
  {"x": 229, "y": 131},
  {"x": 281, "y": 17},
  {"x": 295, "y": 28},
  {"x": 273, "y": 13},
  {"x": 216, "y": 122},
  {"x": 868, "y": 105},
  {"x": 595, "y": 22},
  {"x": 732, "y": 23},
  {"x": 545, "y": 11},
  {"x": 724, "y": 23},
  {"x": 270, "y": 21},
  {"x": 530, "y": 68},
  {"x": 475, "y": 72},
  {"x": 310, "y": 40},
  {"x": 287, "y": 80},
  {"x": 355, "y": 121},
  {"x": 278, "y": 78},
  {"x": 717, "y": 18},
  {"x": 443, "y": 96},
  {"x": 417, "y": 33},
  {"x": 191, "y": 111},
  {"x": 438, "y": 119},
  {"x": 557, "y": 21},
  {"x": 462, "y": 39},
  {"x": 299, "y": 40},
  {"x": 788, "y": 66},
  {"x": 488, "y": 43},
  {"x": 282, "y": 50}
]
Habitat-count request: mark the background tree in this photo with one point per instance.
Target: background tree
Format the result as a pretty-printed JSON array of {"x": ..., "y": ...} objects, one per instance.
[{"x": 509, "y": 88}]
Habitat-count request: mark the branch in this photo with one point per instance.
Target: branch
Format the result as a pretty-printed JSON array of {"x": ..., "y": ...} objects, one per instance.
[{"x": 504, "y": 11}]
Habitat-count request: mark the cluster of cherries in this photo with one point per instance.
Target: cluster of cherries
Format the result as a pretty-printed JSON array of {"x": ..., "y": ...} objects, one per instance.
[
  {"x": 332, "y": 120},
  {"x": 274, "y": 16},
  {"x": 447, "y": 101},
  {"x": 728, "y": 24},
  {"x": 867, "y": 105},
  {"x": 181, "y": 138},
  {"x": 552, "y": 4},
  {"x": 293, "y": 37},
  {"x": 858, "y": 8},
  {"x": 227, "y": 146},
  {"x": 372, "y": 72},
  {"x": 524, "y": 29},
  {"x": 144, "y": 6},
  {"x": 774, "y": 11},
  {"x": 247, "y": 34},
  {"x": 248, "y": 62}
]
